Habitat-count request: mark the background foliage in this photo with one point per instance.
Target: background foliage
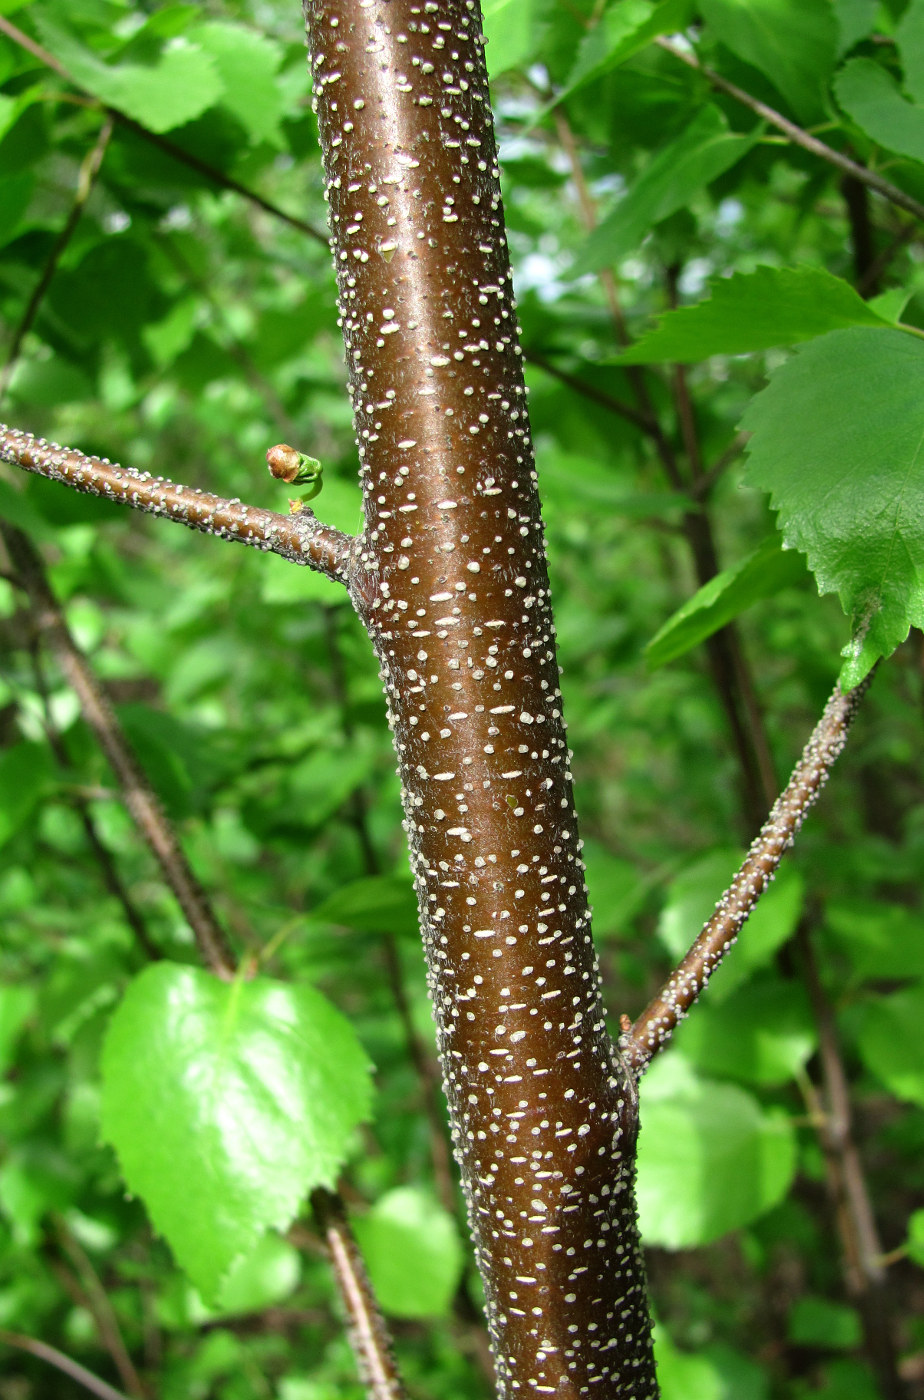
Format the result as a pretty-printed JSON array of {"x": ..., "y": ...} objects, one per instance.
[{"x": 185, "y": 328}]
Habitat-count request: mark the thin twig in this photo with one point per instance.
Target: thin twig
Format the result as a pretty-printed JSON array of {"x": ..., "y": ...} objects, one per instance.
[
  {"x": 137, "y": 793},
  {"x": 163, "y": 143},
  {"x": 368, "y": 1332},
  {"x": 861, "y": 1246},
  {"x": 588, "y": 391},
  {"x": 301, "y": 537},
  {"x": 89, "y": 170},
  {"x": 64, "y": 1363},
  {"x": 797, "y": 134},
  {"x": 81, "y": 801},
  {"x": 653, "y": 1028},
  {"x": 102, "y": 1311}
]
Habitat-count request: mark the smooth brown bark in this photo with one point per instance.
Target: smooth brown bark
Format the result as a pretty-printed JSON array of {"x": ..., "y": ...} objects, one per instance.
[{"x": 453, "y": 589}]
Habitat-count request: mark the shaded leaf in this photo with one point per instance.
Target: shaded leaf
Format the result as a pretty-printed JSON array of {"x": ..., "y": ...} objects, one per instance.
[
  {"x": 706, "y": 149},
  {"x": 623, "y": 30},
  {"x": 227, "y": 1104},
  {"x": 753, "y": 311},
  {"x": 182, "y": 84},
  {"x": 909, "y": 35},
  {"x": 764, "y": 1034},
  {"x": 25, "y": 773},
  {"x": 376, "y": 904},
  {"x": 855, "y": 19},
  {"x": 879, "y": 938},
  {"x": 890, "y": 1041},
  {"x": 761, "y": 575},
  {"x": 413, "y": 1253},
  {"x": 836, "y": 440},
  {"x": 247, "y": 63},
  {"x": 792, "y": 42},
  {"x": 870, "y": 96}
]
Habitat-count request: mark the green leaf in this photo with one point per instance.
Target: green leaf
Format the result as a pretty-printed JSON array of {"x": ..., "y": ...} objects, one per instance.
[
  {"x": 762, "y": 574},
  {"x": 909, "y": 35},
  {"x": 712, "y": 1372},
  {"x": 763, "y": 1034},
  {"x": 837, "y": 437},
  {"x": 25, "y": 773},
  {"x": 413, "y": 1253},
  {"x": 227, "y": 1104},
  {"x": 855, "y": 19},
  {"x": 710, "y": 1159},
  {"x": 691, "y": 899},
  {"x": 623, "y": 30},
  {"x": 706, "y": 149},
  {"x": 916, "y": 1237},
  {"x": 792, "y": 42},
  {"x": 890, "y": 1041},
  {"x": 247, "y": 63},
  {"x": 879, "y": 938},
  {"x": 376, "y": 904},
  {"x": 753, "y": 311},
  {"x": 182, "y": 84},
  {"x": 817, "y": 1322},
  {"x": 870, "y": 96},
  {"x": 509, "y": 29},
  {"x": 260, "y": 1279},
  {"x": 17, "y": 1003}
]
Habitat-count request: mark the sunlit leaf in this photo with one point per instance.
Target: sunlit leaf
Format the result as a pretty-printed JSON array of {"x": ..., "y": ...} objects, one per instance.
[
  {"x": 412, "y": 1250},
  {"x": 836, "y": 440},
  {"x": 227, "y": 1104},
  {"x": 870, "y": 97},
  {"x": 753, "y": 311},
  {"x": 761, "y": 575},
  {"x": 710, "y": 1158}
]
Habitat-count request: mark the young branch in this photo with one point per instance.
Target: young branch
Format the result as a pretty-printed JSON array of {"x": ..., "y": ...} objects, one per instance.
[
  {"x": 301, "y": 537},
  {"x": 797, "y": 134},
  {"x": 654, "y": 1027},
  {"x": 368, "y": 1334}
]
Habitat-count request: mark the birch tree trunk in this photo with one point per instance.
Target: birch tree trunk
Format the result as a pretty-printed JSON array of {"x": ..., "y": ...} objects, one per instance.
[{"x": 450, "y": 580}]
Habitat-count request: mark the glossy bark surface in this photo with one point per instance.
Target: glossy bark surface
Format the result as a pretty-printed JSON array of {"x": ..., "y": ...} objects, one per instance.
[{"x": 451, "y": 583}]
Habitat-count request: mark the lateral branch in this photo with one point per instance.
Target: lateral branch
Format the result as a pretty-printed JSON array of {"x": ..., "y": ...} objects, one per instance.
[
  {"x": 369, "y": 1337},
  {"x": 300, "y": 537},
  {"x": 655, "y": 1025}
]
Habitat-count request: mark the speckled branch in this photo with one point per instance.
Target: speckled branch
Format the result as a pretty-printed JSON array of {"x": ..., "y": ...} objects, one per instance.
[
  {"x": 368, "y": 1335},
  {"x": 302, "y": 538},
  {"x": 655, "y": 1025},
  {"x": 455, "y": 597}
]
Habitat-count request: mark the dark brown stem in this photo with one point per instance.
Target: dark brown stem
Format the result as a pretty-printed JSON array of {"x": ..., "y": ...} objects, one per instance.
[
  {"x": 97, "y": 1301},
  {"x": 544, "y": 1114},
  {"x": 61, "y": 1362},
  {"x": 856, "y": 198},
  {"x": 89, "y": 170},
  {"x": 301, "y": 538},
  {"x": 139, "y": 797},
  {"x": 797, "y": 134},
  {"x": 653, "y": 1028},
  {"x": 861, "y": 1246},
  {"x": 81, "y": 801},
  {"x": 163, "y": 143},
  {"x": 368, "y": 1334},
  {"x": 880, "y": 263},
  {"x": 588, "y": 391}
]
